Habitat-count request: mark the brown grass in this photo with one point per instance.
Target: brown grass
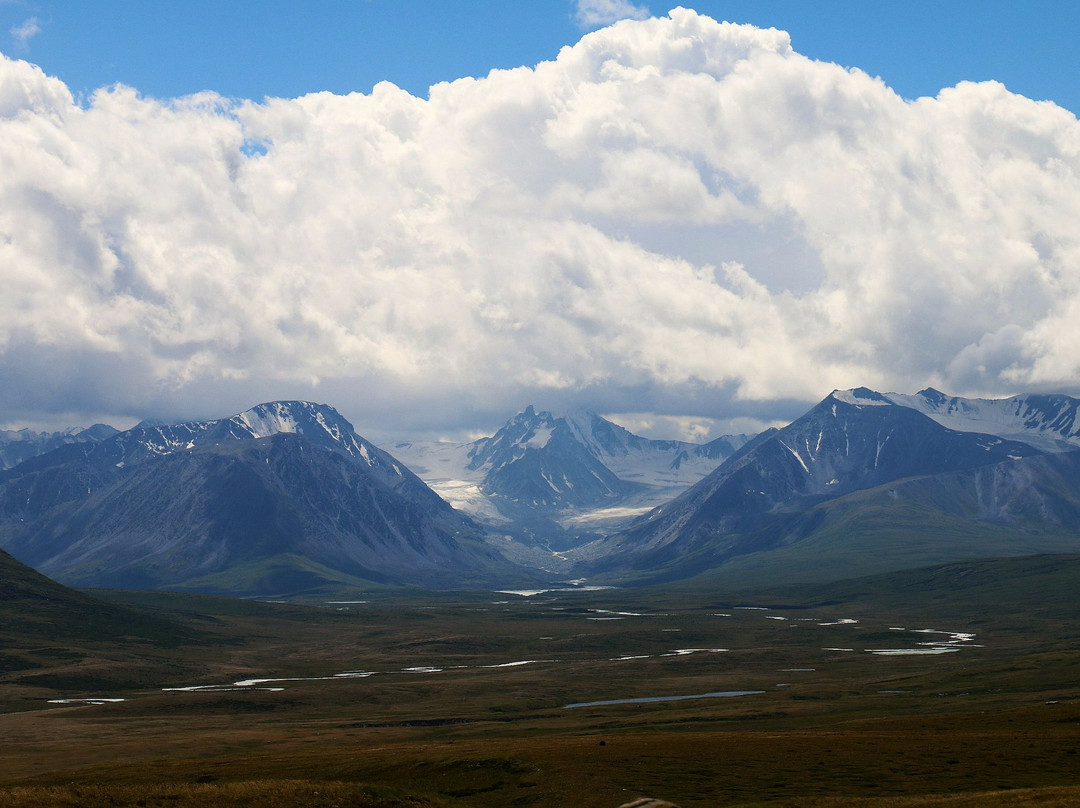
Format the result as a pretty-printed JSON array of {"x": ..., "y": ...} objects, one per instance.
[
  {"x": 997, "y": 725},
  {"x": 252, "y": 794},
  {"x": 1065, "y": 797}
]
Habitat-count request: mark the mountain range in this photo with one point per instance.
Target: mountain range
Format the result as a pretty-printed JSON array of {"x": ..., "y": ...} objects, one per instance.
[
  {"x": 286, "y": 498},
  {"x": 1048, "y": 422},
  {"x": 868, "y": 482},
  {"x": 19, "y": 445},
  {"x": 280, "y": 498},
  {"x": 556, "y": 480}
]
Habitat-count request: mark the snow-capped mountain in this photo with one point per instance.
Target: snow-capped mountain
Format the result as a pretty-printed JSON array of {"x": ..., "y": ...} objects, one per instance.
[
  {"x": 285, "y": 495},
  {"x": 1049, "y": 422},
  {"x": 19, "y": 445},
  {"x": 659, "y": 463},
  {"x": 579, "y": 459},
  {"x": 318, "y": 423},
  {"x": 852, "y": 440},
  {"x": 556, "y": 478},
  {"x": 539, "y": 461}
]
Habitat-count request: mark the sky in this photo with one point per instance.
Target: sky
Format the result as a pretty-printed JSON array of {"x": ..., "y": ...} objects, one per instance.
[{"x": 696, "y": 221}]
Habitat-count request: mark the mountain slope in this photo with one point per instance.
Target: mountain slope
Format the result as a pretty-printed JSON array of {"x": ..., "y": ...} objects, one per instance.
[
  {"x": 853, "y": 440},
  {"x": 549, "y": 483},
  {"x": 537, "y": 460},
  {"x": 283, "y": 497},
  {"x": 76, "y": 470},
  {"x": 34, "y": 608},
  {"x": 1010, "y": 508},
  {"x": 634, "y": 459}
]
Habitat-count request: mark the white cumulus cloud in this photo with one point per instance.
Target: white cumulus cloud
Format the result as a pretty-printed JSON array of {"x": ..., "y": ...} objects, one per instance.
[{"x": 675, "y": 216}]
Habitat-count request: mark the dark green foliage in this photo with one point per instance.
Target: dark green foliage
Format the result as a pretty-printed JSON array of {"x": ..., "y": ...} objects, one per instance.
[{"x": 33, "y": 606}]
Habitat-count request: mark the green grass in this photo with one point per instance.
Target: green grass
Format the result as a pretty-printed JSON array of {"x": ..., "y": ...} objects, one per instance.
[
  {"x": 287, "y": 575},
  {"x": 874, "y": 537}
]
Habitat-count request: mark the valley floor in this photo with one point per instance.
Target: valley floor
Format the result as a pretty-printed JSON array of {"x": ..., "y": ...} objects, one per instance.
[{"x": 463, "y": 700}]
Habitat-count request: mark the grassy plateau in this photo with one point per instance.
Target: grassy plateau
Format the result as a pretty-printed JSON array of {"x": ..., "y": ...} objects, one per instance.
[{"x": 955, "y": 685}]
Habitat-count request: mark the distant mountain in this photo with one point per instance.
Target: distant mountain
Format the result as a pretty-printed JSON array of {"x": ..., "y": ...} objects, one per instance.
[
  {"x": 574, "y": 461},
  {"x": 541, "y": 461},
  {"x": 76, "y": 469},
  {"x": 17, "y": 446},
  {"x": 286, "y": 498},
  {"x": 280, "y": 498},
  {"x": 319, "y": 424},
  {"x": 768, "y": 494},
  {"x": 1010, "y": 508},
  {"x": 1048, "y": 422},
  {"x": 557, "y": 481},
  {"x": 659, "y": 463}
]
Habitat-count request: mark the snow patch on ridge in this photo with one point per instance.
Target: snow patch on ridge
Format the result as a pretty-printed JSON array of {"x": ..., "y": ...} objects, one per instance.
[
  {"x": 267, "y": 420},
  {"x": 540, "y": 438},
  {"x": 1047, "y": 422},
  {"x": 861, "y": 397}
]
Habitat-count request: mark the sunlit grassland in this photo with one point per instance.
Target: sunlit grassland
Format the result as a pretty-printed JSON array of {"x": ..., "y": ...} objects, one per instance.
[{"x": 994, "y": 723}]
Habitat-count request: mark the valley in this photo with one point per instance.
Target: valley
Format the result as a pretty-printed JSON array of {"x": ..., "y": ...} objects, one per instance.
[{"x": 900, "y": 689}]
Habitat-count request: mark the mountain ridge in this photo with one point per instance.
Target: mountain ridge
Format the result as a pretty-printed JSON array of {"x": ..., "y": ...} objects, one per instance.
[
  {"x": 17, "y": 446},
  {"x": 850, "y": 441},
  {"x": 169, "y": 506},
  {"x": 1049, "y": 421},
  {"x": 287, "y": 497}
]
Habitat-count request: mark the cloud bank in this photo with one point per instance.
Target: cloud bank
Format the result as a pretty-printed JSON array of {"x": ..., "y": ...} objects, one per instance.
[{"x": 675, "y": 215}]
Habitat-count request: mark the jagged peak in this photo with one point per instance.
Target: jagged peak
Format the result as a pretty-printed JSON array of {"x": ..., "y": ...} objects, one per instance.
[
  {"x": 305, "y": 418},
  {"x": 150, "y": 423},
  {"x": 935, "y": 397},
  {"x": 320, "y": 423}
]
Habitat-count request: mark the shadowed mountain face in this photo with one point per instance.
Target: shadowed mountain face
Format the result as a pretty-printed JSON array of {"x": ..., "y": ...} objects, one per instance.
[
  {"x": 282, "y": 497},
  {"x": 777, "y": 489}
]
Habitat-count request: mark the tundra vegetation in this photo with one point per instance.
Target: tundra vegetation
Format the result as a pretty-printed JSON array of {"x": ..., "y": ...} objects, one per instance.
[{"x": 415, "y": 698}]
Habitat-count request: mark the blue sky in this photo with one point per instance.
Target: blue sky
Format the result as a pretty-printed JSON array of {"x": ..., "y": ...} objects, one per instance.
[{"x": 250, "y": 49}]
